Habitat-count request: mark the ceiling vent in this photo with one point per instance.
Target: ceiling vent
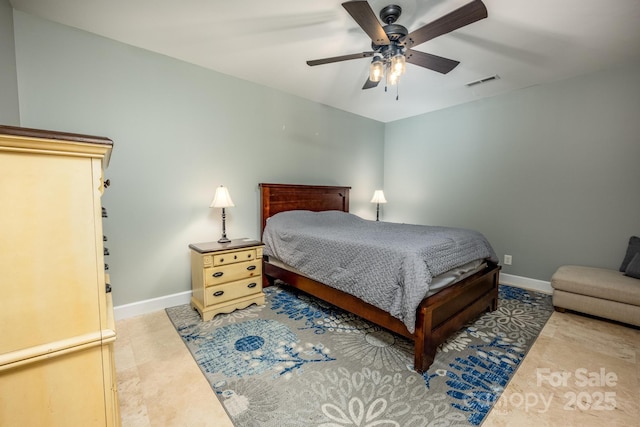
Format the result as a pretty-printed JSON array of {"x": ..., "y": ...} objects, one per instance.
[{"x": 483, "y": 80}]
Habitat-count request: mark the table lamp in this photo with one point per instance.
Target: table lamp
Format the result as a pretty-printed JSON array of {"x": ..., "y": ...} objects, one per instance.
[{"x": 222, "y": 199}]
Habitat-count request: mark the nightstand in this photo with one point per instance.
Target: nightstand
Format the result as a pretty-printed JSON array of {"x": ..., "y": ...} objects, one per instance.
[{"x": 225, "y": 276}]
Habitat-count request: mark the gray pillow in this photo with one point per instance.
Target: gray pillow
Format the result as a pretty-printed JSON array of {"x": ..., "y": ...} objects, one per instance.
[
  {"x": 632, "y": 249},
  {"x": 633, "y": 268}
]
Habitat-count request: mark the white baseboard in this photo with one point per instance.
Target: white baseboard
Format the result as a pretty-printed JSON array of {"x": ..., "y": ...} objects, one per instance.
[
  {"x": 147, "y": 306},
  {"x": 526, "y": 283}
]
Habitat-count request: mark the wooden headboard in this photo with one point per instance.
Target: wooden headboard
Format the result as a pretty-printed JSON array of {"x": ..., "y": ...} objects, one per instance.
[{"x": 275, "y": 198}]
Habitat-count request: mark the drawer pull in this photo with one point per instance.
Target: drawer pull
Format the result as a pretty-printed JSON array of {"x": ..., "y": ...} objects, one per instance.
[
  {"x": 235, "y": 257},
  {"x": 218, "y": 293},
  {"x": 252, "y": 285},
  {"x": 251, "y": 267},
  {"x": 221, "y": 259},
  {"x": 218, "y": 274}
]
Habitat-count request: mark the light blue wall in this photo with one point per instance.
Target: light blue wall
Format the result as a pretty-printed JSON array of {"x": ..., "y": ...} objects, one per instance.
[
  {"x": 179, "y": 131},
  {"x": 550, "y": 174},
  {"x": 9, "y": 110}
]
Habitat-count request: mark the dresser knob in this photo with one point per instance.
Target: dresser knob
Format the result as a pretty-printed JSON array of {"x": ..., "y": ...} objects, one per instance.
[
  {"x": 251, "y": 267},
  {"x": 218, "y": 274},
  {"x": 218, "y": 293},
  {"x": 252, "y": 285},
  {"x": 235, "y": 257}
]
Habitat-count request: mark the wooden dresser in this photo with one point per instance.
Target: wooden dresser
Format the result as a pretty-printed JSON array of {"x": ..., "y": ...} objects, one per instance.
[
  {"x": 226, "y": 276},
  {"x": 56, "y": 319}
]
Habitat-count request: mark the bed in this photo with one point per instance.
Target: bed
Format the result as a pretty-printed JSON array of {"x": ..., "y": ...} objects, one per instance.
[{"x": 437, "y": 316}]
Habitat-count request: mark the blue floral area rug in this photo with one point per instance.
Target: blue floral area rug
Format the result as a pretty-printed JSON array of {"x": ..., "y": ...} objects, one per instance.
[{"x": 298, "y": 361}]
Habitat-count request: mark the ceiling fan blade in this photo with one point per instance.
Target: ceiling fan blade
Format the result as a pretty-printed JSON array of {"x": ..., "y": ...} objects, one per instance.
[
  {"x": 460, "y": 17},
  {"x": 362, "y": 13},
  {"x": 369, "y": 84},
  {"x": 432, "y": 62},
  {"x": 340, "y": 58}
]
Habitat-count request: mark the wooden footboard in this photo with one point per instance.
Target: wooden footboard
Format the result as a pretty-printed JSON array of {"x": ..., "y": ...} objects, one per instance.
[
  {"x": 445, "y": 312},
  {"x": 438, "y": 316}
]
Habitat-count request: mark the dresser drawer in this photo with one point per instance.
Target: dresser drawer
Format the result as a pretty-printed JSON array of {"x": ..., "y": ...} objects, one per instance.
[
  {"x": 233, "y": 257},
  {"x": 231, "y": 272},
  {"x": 229, "y": 291}
]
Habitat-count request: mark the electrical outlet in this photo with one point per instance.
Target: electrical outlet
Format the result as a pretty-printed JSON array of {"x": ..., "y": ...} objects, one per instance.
[{"x": 507, "y": 260}]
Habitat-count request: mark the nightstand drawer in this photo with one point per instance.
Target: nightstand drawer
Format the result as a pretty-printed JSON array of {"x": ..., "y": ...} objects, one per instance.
[
  {"x": 233, "y": 257},
  {"x": 228, "y": 273},
  {"x": 229, "y": 291}
]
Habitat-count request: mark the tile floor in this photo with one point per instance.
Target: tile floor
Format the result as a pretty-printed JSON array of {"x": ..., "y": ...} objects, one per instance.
[{"x": 580, "y": 372}]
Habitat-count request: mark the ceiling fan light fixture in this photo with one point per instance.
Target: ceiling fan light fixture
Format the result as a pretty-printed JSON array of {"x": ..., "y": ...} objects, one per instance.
[
  {"x": 398, "y": 64},
  {"x": 376, "y": 69},
  {"x": 392, "y": 77}
]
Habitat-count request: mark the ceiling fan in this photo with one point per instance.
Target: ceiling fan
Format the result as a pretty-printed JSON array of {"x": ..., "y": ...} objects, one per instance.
[{"x": 392, "y": 44}]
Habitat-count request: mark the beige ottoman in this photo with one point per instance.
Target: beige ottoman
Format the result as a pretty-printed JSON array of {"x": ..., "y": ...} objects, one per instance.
[{"x": 597, "y": 291}]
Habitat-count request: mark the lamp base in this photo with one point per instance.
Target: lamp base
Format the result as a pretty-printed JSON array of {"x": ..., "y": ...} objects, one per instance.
[{"x": 224, "y": 239}]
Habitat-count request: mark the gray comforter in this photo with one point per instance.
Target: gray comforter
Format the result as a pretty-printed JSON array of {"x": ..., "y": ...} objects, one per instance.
[{"x": 386, "y": 264}]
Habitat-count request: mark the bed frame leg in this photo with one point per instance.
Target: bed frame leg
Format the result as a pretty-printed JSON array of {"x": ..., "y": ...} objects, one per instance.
[
  {"x": 422, "y": 362},
  {"x": 267, "y": 281},
  {"x": 424, "y": 351}
]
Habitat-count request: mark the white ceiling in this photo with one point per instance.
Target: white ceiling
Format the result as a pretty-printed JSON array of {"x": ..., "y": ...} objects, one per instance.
[{"x": 525, "y": 42}]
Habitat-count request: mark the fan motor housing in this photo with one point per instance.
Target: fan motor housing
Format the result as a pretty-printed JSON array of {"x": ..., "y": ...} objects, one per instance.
[{"x": 395, "y": 33}]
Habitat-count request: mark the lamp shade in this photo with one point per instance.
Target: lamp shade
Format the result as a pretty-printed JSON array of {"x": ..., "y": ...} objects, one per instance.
[
  {"x": 378, "y": 197},
  {"x": 398, "y": 64},
  {"x": 222, "y": 199},
  {"x": 376, "y": 70}
]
